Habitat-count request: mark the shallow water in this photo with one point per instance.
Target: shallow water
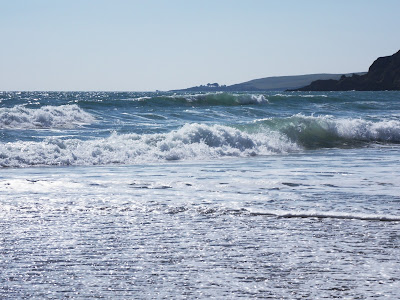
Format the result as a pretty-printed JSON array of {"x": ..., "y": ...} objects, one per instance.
[
  {"x": 281, "y": 227},
  {"x": 244, "y": 214}
]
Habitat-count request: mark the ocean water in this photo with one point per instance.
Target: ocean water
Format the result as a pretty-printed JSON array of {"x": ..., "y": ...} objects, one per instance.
[{"x": 280, "y": 195}]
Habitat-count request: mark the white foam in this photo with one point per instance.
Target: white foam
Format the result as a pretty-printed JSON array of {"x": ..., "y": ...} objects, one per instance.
[
  {"x": 251, "y": 99},
  {"x": 350, "y": 129},
  {"x": 192, "y": 141},
  {"x": 300, "y": 95},
  {"x": 224, "y": 98},
  {"x": 64, "y": 116},
  {"x": 388, "y": 131},
  {"x": 358, "y": 129}
]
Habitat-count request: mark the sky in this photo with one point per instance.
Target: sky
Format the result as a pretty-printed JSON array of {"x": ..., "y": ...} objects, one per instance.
[{"x": 148, "y": 45}]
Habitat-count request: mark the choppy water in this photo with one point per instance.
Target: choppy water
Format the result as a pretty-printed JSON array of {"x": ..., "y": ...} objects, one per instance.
[{"x": 184, "y": 196}]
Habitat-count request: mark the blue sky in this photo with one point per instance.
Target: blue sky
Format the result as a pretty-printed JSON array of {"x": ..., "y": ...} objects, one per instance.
[{"x": 122, "y": 45}]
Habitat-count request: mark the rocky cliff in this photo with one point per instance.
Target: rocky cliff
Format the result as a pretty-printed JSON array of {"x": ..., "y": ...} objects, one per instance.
[{"x": 383, "y": 74}]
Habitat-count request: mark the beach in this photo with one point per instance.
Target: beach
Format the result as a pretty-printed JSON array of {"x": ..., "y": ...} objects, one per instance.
[{"x": 162, "y": 195}]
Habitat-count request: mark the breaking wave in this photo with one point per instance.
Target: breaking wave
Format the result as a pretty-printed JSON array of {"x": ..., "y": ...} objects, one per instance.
[
  {"x": 192, "y": 141},
  {"x": 227, "y": 99},
  {"x": 64, "y": 116},
  {"x": 326, "y": 131},
  {"x": 202, "y": 142}
]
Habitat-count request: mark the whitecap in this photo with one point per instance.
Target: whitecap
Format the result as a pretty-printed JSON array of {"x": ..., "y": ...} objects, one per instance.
[
  {"x": 64, "y": 116},
  {"x": 191, "y": 142}
]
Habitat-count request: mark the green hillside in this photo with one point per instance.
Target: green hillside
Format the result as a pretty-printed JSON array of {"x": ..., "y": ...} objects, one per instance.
[
  {"x": 281, "y": 82},
  {"x": 278, "y": 83}
]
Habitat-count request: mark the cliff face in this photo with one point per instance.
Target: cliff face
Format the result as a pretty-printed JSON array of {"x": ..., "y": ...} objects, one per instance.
[{"x": 383, "y": 74}]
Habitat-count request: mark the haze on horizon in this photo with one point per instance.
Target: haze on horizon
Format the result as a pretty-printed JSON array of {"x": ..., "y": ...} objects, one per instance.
[{"x": 124, "y": 45}]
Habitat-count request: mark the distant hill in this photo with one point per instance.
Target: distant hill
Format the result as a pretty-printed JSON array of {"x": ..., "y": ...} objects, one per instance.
[
  {"x": 383, "y": 74},
  {"x": 277, "y": 83},
  {"x": 280, "y": 82}
]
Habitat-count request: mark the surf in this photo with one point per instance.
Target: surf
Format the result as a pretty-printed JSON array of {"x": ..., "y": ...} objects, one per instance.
[
  {"x": 327, "y": 131},
  {"x": 192, "y": 141},
  {"x": 63, "y": 116}
]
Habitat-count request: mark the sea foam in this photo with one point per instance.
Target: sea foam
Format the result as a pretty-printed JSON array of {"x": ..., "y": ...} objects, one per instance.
[
  {"x": 327, "y": 131},
  {"x": 220, "y": 99},
  {"x": 64, "y": 116},
  {"x": 192, "y": 141},
  {"x": 202, "y": 142}
]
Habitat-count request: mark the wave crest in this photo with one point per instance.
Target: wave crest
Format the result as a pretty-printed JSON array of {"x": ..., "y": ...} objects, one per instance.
[
  {"x": 192, "y": 141},
  {"x": 326, "y": 131},
  {"x": 202, "y": 142},
  {"x": 227, "y": 99},
  {"x": 64, "y": 116}
]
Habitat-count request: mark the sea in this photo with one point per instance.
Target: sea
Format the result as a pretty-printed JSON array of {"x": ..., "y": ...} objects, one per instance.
[{"x": 163, "y": 195}]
